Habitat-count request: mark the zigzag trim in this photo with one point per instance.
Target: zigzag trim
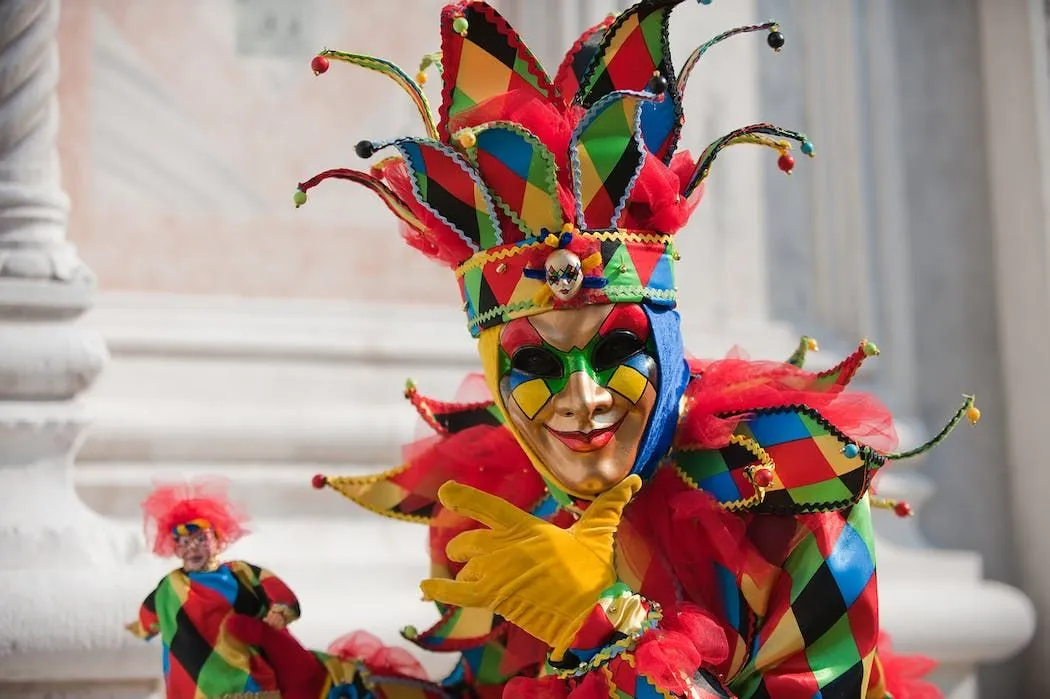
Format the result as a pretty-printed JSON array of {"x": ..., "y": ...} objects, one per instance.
[
  {"x": 592, "y": 114},
  {"x": 872, "y": 460},
  {"x": 621, "y": 234},
  {"x": 622, "y": 294},
  {"x": 624, "y": 645},
  {"x": 464, "y": 166},
  {"x": 551, "y": 173}
]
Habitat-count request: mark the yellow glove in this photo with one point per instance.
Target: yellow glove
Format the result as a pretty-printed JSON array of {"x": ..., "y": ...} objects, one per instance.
[{"x": 541, "y": 578}]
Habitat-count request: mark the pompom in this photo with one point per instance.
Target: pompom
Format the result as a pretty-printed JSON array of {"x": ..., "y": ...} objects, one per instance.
[{"x": 170, "y": 505}]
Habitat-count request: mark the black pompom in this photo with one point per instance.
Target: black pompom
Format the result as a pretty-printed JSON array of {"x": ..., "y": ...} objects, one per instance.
[
  {"x": 775, "y": 40},
  {"x": 657, "y": 85},
  {"x": 365, "y": 149}
]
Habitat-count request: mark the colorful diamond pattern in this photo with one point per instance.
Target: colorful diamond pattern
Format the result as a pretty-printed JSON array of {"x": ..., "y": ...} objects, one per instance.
[
  {"x": 607, "y": 155},
  {"x": 450, "y": 189},
  {"x": 633, "y": 48},
  {"x": 521, "y": 175},
  {"x": 489, "y": 61},
  {"x": 812, "y": 473}
]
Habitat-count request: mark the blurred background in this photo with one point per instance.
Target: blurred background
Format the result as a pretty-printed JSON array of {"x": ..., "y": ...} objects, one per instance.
[{"x": 232, "y": 334}]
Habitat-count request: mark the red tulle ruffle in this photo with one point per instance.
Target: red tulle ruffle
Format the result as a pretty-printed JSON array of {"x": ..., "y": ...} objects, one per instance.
[
  {"x": 172, "y": 504},
  {"x": 737, "y": 387},
  {"x": 379, "y": 658},
  {"x": 685, "y": 641},
  {"x": 656, "y": 203},
  {"x": 903, "y": 674}
]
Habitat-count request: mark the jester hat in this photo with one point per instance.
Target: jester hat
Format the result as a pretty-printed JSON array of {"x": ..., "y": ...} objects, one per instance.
[{"x": 548, "y": 193}]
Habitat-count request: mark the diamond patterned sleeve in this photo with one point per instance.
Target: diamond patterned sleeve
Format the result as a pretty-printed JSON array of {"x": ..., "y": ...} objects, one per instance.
[
  {"x": 269, "y": 588},
  {"x": 147, "y": 625},
  {"x": 819, "y": 631}
]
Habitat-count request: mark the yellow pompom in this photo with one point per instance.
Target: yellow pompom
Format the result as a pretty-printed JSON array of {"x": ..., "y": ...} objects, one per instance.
[
  {"x": 811, "y": 345},
  {"x": 551, "y": 240},
  {"x": 467, "y": 139},
  {"x": 973, "y": 414},
  {"x": 421, "y": 78},
  {"x": 568, "y": 228}
]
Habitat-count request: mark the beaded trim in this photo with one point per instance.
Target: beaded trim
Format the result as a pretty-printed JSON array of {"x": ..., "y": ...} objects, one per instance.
[{"x": 612, "y": 650}]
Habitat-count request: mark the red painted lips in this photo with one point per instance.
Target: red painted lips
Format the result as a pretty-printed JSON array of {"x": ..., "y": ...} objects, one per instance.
[{"x": 587, "y": 441}]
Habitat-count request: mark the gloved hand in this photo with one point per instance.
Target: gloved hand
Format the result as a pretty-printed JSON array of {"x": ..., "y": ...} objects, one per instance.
[{"x": 540, "y": 577}]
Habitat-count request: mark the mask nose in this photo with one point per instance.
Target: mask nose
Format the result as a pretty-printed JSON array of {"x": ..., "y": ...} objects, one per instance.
[{"x": 582, "y": 398}]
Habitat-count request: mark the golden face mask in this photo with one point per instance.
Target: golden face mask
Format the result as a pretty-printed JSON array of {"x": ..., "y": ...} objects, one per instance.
[{"x": 578, "y": 386}]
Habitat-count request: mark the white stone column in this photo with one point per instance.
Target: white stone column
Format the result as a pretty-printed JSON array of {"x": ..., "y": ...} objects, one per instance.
[
  {"x": 62, "y": 566},
  {"x": 1016, "y": 103}
]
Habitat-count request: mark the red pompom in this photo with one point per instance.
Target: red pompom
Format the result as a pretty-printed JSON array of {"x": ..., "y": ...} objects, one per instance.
[
  {"x": 763, "y": 477},
  {"x": 902, "y": 509},
  {"x": 786, "y": 163},
  {"x": 319, "y": 65},
  {"x": 319, "y": 481}
]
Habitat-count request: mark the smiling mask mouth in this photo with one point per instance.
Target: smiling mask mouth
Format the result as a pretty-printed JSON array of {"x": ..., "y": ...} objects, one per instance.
[{"x": 592, "y": 440}]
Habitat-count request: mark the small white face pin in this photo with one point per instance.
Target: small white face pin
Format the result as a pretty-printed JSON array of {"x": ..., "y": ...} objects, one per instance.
[{"x": 564, "y": 274}]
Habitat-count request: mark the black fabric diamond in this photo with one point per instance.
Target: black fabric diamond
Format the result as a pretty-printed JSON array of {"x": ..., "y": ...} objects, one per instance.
[
  {"x": 819, "y": 606},
  {"x": 483, "y": 32},
  {"x": 462, "y": 215},
  {"x": 188, "y": 647},
  {"x": 848, "y": 685}
]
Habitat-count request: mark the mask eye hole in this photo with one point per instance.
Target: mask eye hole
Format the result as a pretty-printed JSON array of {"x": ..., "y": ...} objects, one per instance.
[
  {"x": 615, "y": 349},
  {"x": 538, "y": 362}
]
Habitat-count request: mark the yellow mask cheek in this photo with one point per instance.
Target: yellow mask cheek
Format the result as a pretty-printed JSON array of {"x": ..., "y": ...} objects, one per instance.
[
  {"x": 488, "y": 349},
  {"x": 531, "y": 396}
]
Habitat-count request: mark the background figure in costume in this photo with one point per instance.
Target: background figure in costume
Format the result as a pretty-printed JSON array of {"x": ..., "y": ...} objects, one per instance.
[
  {"x": 223, "y": 623},
  {"x": 613, "y": 519},
  {"x": 190, "y": 606}
]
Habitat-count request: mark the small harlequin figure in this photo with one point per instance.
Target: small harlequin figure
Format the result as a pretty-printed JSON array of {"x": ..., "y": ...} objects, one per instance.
[{"x": 191, "y": 605}]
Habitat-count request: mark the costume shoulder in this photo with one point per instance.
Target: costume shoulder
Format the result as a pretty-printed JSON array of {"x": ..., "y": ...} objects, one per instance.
[
  {"x": 470, "y": 445},
  {"x": 771, "y": 437}
]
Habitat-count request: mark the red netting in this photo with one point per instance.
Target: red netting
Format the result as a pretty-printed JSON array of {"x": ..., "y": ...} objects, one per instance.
[
  {"x": 903, "y": 674},
  {"x": 379, "y": 658},
  {"x": 170, "y": 505},
  {"x": 740, "y": 387}
]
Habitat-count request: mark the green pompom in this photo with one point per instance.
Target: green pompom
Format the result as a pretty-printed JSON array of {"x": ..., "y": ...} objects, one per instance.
[
  {"x": 460, "y": 25},
  {"x": 299, "y": 198}
]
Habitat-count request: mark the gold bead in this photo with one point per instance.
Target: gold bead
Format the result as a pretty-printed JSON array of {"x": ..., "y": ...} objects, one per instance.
[
  {"x": 501, "y": 267},
  {"x": 467, "y": 139}
]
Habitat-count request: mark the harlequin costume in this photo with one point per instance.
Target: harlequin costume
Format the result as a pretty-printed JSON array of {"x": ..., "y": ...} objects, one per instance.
[
  {"x": 614, "y": 519},
  {"x": 188, "y": 608},
  {"x": 210, "y": 620}
]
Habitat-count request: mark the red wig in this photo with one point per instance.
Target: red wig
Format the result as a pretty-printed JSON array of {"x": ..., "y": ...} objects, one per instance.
[{"x": 170, "y": 505}]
